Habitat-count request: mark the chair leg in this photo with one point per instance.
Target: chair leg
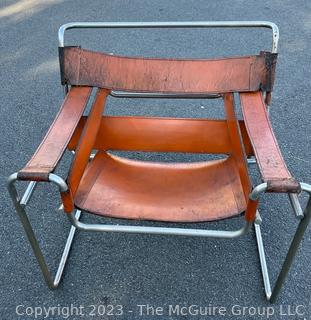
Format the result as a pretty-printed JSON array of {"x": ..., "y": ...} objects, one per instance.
[
  {"x": 303, "y": 224},
  {"x": 262, "y": 258},
  {"x": 20, "y": 209}
]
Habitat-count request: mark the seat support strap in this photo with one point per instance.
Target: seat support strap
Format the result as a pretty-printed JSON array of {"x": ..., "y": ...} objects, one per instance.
[{"x": 86, "y": 142}]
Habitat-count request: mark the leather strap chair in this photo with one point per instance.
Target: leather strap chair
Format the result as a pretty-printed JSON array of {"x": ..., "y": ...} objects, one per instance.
[{"x": 113, "y": 186}]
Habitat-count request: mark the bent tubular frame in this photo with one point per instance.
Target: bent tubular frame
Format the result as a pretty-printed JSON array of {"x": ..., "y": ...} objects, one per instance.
[
  {"x": 172, "y": 24},
  {"x": 304, "y": 218},
  {"x": 20, "y": 205}
]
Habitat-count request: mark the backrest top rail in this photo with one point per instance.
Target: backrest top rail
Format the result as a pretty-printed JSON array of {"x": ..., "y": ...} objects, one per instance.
[{"x": 173, "y": 24}]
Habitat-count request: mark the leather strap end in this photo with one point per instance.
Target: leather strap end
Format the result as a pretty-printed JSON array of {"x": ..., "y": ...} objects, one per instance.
[
  {"x": 67, "y": 201},
  {"x": 290, "y": 185},
  {"x": 250, "y": 213},
  {"x": 30, "y": 175}
]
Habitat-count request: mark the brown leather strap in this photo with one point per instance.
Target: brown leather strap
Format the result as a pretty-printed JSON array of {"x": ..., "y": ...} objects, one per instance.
[
  {"x": 162, "y": 135},
  {"x": 57, "y": 138},
  {"x": 250, "y": 212},
  {"x": 249, "y": 73},
  {"x": 269, "y": 158},
  {"x": 86, "y": 142},
  {"x": 236, "y": 143},
  {"x": 283, "y": 185}
]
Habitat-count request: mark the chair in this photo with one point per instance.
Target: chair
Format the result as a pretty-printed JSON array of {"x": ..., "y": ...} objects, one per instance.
[{"x": 114, "y": 186}]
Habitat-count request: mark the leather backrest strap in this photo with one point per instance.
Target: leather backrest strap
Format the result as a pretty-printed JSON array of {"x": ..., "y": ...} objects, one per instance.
[{"x": 239, "y": 74}]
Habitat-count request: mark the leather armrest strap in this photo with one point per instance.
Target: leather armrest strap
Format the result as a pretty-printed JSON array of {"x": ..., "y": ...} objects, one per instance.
[
  {"x": 53, "y": 145},
  {"x": 267, "y": 152}
]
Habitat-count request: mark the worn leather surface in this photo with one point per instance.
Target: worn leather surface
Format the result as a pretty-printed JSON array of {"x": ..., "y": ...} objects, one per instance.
[
  {"x": 58, "y": 136},
  {"x": 284, "y": 185},
  {"x": 249, "y": 73},
  {"x": 269, "y": 158},
  {"x": 162, "y": 135},
  {"x": 178, "y": 192}
]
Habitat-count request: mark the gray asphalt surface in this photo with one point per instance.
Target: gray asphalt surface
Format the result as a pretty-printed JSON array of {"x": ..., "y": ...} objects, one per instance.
[{"x": 131, "y": 270}]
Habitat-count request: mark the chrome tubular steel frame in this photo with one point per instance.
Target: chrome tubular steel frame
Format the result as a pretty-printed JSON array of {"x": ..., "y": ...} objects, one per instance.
[
  {"x": 20, "y": 205},
  {"x": 172, "y": 24},
  {"x": 303, "y": 216}
]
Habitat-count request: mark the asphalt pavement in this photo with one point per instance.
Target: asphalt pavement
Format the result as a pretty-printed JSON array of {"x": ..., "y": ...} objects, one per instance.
[{"x": 109, "y": 274}]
